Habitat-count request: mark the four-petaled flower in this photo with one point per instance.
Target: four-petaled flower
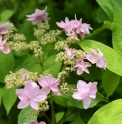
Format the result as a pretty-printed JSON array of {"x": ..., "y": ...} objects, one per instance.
[
  {"x": 4, "y": 46},
  {"x": 97, "y": 57},
  {"x": 74, "y": 28},
  {"x": 38, "y": 16},
  {"x": 49, "y": 83},
  {"x": 82, "y": 66},
  {"x": 85, "y": 92},
  {"x": 3, "y": 28},
  {"x": 31, "y": 94},
  {"x": 70, "y": 52},
  {"x": 35, "y": 122}
]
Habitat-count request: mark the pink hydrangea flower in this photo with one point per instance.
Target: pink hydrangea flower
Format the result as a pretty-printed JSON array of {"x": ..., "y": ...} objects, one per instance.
[
  {"x": 82, "y": 67},
  {"x": 70, "y": 52},
  {"x": 85, "y": 92},
  {"x": 4, "y": 46},
  {"x": 49, "y": 83},
  {"x": 35, "y": 122},
  {"x": 31, "y": 94},
  {"x": 38, "y": 16},
  {"x": 97, "y": 57},
  {"x": 74, "y": 28},
  {"x": 3, "y": 28}
]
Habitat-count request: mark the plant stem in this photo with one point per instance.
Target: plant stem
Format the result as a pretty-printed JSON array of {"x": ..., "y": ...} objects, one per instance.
[{"x": 52, "y": 111}]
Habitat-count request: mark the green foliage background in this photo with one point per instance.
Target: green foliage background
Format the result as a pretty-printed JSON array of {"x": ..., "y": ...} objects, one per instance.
[{"x": 105, "y": 18}]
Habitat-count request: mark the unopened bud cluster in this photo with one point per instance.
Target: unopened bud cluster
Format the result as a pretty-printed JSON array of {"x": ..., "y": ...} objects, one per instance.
[
  {"x": 43, "y": 28},
  {"x": 49, "y": 37},
  {"x": 17, "y": 46},
  {"x": 43, "y": 107},
  {"x": 18, "y": 37},
  {"x": 15, "y": 79},
  {"x": 60, "y": 45},
  {"x": 37, "y": 49}
]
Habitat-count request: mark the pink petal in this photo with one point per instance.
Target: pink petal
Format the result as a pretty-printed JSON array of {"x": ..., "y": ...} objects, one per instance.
[
  {"x": 23, "y": 103},
  {"x": 82, "y": 86},
  {"x": 6, "y": 49},
  {"x": 43, "y": 81},
  {"x": 61, "y": 24},
  {"x": 78, "y": 95},
  {"x": 79, "y": 71},
  {"x": 34, "y": 104},
  {"x": 21, "y": 94},
  {"x": 42, "y": 122},
  {"x": 93, "y": 90},
  {"x": 86, "y": 102},
  {"x": 33, "y": 122}
]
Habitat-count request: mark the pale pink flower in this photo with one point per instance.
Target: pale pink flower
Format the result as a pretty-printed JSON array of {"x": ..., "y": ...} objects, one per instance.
[
  {"x": 3, "y": 28},
  {"x": 85, "y": 92},
  {"x": 97, "y": 57},
  {"x": 74, "y": 28},
  {"x": 49, "y": 83},
  {"x": 35, "y": 122},
  {"x": 4, "y": 46},
  {"x": 70, "y": 52},
  {"x": 82, "y": 67},
  {"x": 65, "y": 25},
  {"x": 31, "y": 94},
  {"x": 38, "y": 17}
]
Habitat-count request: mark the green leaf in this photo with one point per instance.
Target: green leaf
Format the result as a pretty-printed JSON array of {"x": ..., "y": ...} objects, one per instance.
[
  {"x": 9, "y": 98},
  {"x": 114, "y": 61},
  {"x": 58, "y": 116},
  {"x": 1, "y": 94},
  {"x": 6, "y": 64},
  {"x": 71, "y": 114},
  {"x": 117, "y": 30},
  {"x": 26, "y": 116},
  {"x": 31, "y": 64},
  {"x": 52, "y": 66},
  {"x": 110, "y": 82},
  {"x": 6, "y": 14},
  {"x": 108, "y": 114},
  {"x": 78, "y": 120},
  {"x": 60, "y": 100},
  {"x": 79, "y": 103},
  {"x": 108, "y": 7}
]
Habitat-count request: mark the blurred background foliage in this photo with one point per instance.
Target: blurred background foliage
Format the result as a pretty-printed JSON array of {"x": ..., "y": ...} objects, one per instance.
[{"x": 15, "y": 11}]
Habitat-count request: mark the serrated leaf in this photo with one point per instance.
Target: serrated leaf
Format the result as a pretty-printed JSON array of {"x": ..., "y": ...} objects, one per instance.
[
  {"x": 108, "y": 114},
  {"x": 114, "y": 61},
  {"x": 6, "y": 64},
  {"x": 9, "y": 98},
  {"x": 6, "y": 14},
  {"x": 108, "y": 7},
  {"x": 117, "y": 30},
  {"x": 110, "y": 82},
  {"x": 25, "y": 116}
]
